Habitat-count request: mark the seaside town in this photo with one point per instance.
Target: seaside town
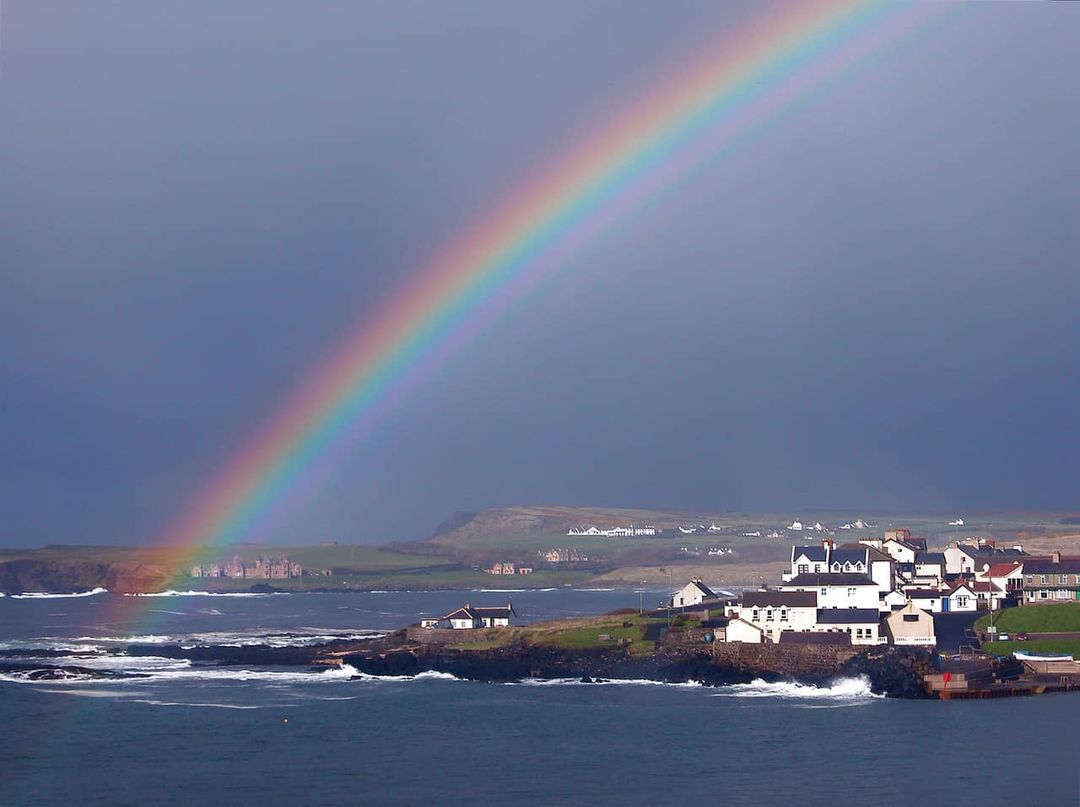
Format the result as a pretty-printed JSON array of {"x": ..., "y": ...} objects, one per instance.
[{"x": 891, "y": 590}]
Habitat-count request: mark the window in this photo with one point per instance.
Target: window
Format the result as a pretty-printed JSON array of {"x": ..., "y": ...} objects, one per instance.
[
  {"x": 851, "y": 592},
  {"x": 804, "y": 568},
  {"x": 911, "y": 617},
  {"x": 1044, "y": 594},
  {"x": 817, "y": 568},
  {"x": 824, "y": 591},
  {"x": 1062, "y": 593},
  {"x": 1045, "y": 579},
  {"x": 756, "y": 616},
  {"x": 783, "y": 615}
]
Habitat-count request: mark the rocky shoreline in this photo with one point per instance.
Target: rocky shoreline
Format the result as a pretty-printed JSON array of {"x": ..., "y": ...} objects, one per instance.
[{"x": 890, "y": 671}]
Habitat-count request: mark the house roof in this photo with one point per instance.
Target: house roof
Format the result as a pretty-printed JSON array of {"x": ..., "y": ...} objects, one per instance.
[
  {"x": 829, "y": 579},
  {"x": 848, "y": 555},
  {"x": 789, "y": 599},
  {"x": 923, "y": 594},
  {"x": 497, "y": 612},
  {"x": 704, "y": 589},
  {"x": 1003, "y": 569},
  {"x": 468, "y": 612},
  {"x": 1047, "y": 566},
  {"x": 978, "y": 585},
  {"x": 914, "y": 544},
  {"x": 465, "y": 612},
  {"x": 931, "y": 557},
  {"x": 847, "y": 616},
  {"x": 817, "y": 554},
  {"x": 990, "y": 551},
  {"x": 817, "y": 638}
]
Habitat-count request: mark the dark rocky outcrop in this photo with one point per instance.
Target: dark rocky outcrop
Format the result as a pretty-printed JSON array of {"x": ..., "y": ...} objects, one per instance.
[{"x": 58, "y": 672}]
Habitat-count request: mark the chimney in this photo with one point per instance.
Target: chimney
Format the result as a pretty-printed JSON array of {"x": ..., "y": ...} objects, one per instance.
[{"x": 1056, "y": 556}]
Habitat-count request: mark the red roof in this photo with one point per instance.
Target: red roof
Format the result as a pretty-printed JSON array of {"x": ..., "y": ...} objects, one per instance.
[{"x": 1001, "y": 569}]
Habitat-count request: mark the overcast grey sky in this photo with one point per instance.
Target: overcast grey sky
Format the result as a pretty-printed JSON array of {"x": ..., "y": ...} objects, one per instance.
[{"x": 873, "y": 306}]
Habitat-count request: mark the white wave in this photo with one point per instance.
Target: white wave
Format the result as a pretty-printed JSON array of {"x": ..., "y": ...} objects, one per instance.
[
  {"x": 166, "y": 611},
  {"x": 299, "y": 637},
  {"x": 44, "y": 595},
  {"x": 152, "y": 702},
  {"x": 173, "y": 593},
  {"x": 594, "y": 589},
  {"x": 96, "y": 693},
  {"x": 428, "y": 675},
  {"x": 842, "y": 689},
  {"x": 566, "y": 682}
]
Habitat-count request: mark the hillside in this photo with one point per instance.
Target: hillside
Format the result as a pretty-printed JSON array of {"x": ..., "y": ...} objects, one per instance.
[{"x": 727, "y": 550}]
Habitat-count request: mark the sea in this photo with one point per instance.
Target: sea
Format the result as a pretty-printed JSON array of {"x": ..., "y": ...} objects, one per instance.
[{"x": 197, "y": 734}]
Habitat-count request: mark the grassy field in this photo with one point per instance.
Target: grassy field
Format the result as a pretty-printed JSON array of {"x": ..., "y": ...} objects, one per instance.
[
  {"x": 1057, "y": 618},
  {"x": 1035, "y": 646}
]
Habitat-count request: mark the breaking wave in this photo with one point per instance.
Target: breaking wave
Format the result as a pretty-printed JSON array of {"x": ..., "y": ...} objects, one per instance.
[
  {"x": 44, "y": 595},
  {"x": 842, "y": 689},
  {"x": 174, "y": 593},
  {"x": 570, "y": 682}
]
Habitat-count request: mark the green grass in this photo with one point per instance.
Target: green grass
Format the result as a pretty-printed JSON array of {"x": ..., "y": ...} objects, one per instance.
[
  {"x": 1035, "y": 646},
  {"x": 1057, "y": 618},
  {"x": 582, "y": 634}
]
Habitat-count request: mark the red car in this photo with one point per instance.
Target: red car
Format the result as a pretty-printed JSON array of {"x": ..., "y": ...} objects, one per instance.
[{"x": 1021, "y": 637}]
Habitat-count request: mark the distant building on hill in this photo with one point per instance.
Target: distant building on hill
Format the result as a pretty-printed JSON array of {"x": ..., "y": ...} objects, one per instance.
[{"x": 263, "y": 568}]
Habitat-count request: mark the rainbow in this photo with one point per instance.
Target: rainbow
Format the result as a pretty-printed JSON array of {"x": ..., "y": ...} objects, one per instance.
[{"x": 732, "y": 91}]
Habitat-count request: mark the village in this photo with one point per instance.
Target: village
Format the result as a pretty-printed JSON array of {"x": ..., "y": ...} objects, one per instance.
[
  {"x": 262, "y": 568},
  {"x": 890, "y": 590}
]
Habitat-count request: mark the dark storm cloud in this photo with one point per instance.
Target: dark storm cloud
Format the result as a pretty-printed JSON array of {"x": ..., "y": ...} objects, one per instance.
[{"x": 872, "y": 305}]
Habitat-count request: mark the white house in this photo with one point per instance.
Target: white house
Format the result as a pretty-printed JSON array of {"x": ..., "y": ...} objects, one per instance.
[
  {"x": 468, "y": 617},
  {"x": 863, "y": 625},
  {"x": 1007, "y": 578},
  {"x": 927, "y": 599},
  {"x": 837, "y": 589},
  {"x": 693, "y": 593},
  {"x": 806, "y": 559},
  {"x": 899, "y": 550},
  {"x": 739, "y": 630},
  {"x": 776, "y": 611},
  {"x": 930, "y": 565},
  {"x": 892, "y": 601},
  {"x": 962, "y": 597}
]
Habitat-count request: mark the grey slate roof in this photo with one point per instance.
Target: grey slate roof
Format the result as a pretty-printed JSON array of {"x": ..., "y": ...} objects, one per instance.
[
  {"x": 789, "y": 599},
  {"x": 704, "y": 589},
  {"x": 848, "y": 555},
  {"x": 829, "y": 579},
  {"x": 1047, "y": 566},
  {"x": 815, "y": 554},
  {"x": 847, "y": 616},
  {"x": 924, "y": 594},
  {"x": 930, "y": 557}
]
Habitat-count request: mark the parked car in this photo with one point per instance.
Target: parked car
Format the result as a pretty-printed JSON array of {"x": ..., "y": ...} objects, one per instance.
[
  {"x": 1002, "y": 637},
  {"x": 1021, "y": 637}
]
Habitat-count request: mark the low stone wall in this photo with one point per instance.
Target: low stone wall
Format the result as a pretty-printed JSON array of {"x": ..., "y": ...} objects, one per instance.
[{"x": 792, "y": 660}]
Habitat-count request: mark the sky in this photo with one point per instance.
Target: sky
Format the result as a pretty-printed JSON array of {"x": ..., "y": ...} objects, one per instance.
[{"x": 872, "y": 306}]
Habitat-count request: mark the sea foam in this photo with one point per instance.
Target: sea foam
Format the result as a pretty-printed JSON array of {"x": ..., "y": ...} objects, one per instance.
[{"x": 842, "y": 689}]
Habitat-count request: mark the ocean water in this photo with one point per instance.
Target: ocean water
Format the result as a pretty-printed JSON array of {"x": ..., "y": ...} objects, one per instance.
[{"x": 187, "y": 733}]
